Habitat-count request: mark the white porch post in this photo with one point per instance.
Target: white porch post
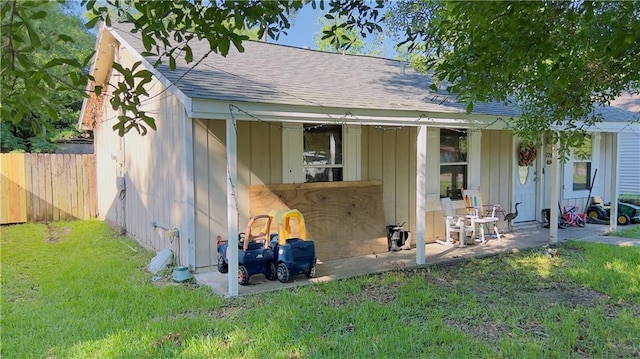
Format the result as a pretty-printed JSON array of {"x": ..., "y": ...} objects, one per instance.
[
  {"x": 474, "y": 159},
  {"x": 615, "y": 172},
  {"x": 555, "y": 193},
  {"x": 187, "y": 237},
  {"x": 421, "y": 194},
  {"x": 232, "y": 209}
]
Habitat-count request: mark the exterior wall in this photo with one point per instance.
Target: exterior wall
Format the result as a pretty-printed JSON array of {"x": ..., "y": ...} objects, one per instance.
[
  {"x": 496, "y": 169},
  {"x": 390, "y": 156},
  {"x": 602, "y": 161},
  {"x": 259, "y": 162},
  {"x": 387, "y": 155},
  {"x": 141, "y": 179},
  {"x": 629, "y": 180}
]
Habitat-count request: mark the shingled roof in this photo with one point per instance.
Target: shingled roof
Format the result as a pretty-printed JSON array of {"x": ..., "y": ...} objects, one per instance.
[{"x": 286, "y": 75}]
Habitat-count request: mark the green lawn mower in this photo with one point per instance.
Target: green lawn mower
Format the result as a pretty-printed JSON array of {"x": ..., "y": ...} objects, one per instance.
[{"x": 599, "y": 213}]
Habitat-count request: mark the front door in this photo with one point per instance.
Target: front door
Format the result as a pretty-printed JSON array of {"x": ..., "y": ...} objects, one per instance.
[{"x": 524, "y": 189}]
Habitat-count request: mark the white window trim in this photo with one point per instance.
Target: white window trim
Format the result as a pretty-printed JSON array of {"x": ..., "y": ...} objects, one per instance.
[
  {"x": 568, "y": 192},
  {"x": 292, "y": 148},
  {"x": 474, "y": 138}
]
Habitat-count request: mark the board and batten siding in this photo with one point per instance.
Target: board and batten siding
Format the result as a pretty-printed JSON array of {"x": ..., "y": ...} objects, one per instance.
[
  {"x": 496, "y": 167},
  {"x": 603, "y": 162},
  {"x": 629, "y": 165},
  {"x": 259, "y": 162},
  {"x": 141, "y": 179},
  {"x": 387, "y": 155}
]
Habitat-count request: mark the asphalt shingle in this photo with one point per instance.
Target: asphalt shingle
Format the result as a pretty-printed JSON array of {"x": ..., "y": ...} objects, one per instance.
[{"x": 286, "y": 75}]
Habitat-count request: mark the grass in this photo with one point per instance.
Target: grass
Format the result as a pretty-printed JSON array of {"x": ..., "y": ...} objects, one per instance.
[
  {"x": 633, "y": 232},
  {"x": 75, "y": 290}
]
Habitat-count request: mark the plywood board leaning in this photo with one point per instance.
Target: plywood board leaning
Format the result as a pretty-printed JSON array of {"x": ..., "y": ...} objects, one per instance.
[{"x": 345, "y": 219}]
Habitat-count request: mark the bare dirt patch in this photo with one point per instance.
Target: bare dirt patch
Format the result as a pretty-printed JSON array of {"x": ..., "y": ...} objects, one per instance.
[
  {"x": 379, "y": 293},
  {"x": 486, "y": 331},
  {"x": 572, "y": 297},
  {"x": 56, "y": 234}
]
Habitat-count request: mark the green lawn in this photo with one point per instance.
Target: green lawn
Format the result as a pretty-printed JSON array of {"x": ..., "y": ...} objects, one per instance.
[
  {"x": 633, "y": 232},
  {"x": 75, "y": 290}
]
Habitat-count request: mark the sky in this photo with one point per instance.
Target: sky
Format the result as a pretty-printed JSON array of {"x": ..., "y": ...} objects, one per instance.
[{"x": 307, "y": 23}]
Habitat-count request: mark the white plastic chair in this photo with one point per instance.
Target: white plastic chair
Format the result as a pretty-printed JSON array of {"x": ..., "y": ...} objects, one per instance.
[
  {"x": 454, "y": 224},
  {"x": 481, "y": 215}
]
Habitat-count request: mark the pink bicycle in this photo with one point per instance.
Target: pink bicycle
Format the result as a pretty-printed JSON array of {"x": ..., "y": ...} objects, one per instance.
[{"x": 573, "y": 217}]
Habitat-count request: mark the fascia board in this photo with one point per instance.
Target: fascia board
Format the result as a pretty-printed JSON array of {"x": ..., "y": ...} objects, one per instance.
[
  {"x": 92, "y": 71},
  {"x": 246, "y": 111},
  {"x": 604, "y": 127}
]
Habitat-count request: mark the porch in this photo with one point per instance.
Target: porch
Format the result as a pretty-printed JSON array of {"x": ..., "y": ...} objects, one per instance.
[{"x": 523, "y": 237}]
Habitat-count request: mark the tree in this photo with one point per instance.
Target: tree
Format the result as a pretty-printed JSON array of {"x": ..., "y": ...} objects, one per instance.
[
  {"x": 167, "y": 23},
  {"x": 163, "y": 23},
  {"x": 556, "y": 60},
  {"x": 44, "y": 52},
  {"x": 360, "y": 44}
]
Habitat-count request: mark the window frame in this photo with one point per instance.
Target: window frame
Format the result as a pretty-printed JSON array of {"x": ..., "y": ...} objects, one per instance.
[
  {"x": 466, "y": 163},
  {"x": 293, "y": 152},
  {"x": 324, "y": 166},
  {"x": 568, "y": 185}
]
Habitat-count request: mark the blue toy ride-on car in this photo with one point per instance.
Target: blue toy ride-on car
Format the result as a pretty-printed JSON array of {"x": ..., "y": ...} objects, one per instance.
[
  {"x": 254, "y": 254},
  {"x": 294, "y": 255}
]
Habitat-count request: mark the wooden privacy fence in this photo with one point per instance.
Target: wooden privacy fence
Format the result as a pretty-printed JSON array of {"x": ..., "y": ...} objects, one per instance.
[{"x": 47, "y": 187}]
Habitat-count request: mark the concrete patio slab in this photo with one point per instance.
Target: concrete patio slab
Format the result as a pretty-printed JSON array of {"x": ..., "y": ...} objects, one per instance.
[{"x": 523, "y": 237}]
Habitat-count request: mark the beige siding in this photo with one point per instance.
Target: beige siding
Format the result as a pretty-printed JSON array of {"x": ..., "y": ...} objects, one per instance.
[
  {"x": 390, "y": 155},
  {"x": 141, "y": 178},
  {"x": 496, "y": 167},
  {"x": 259, "y": 162},
  {"x": 210, "y": 187},
  {"x": 387, "y": 155}
]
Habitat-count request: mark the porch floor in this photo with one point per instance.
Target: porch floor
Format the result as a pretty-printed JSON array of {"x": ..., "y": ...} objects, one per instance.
[{"x": 523, "y": 237}]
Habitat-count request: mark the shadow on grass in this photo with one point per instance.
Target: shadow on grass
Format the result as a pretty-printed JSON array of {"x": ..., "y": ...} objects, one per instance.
[{"x": 87, "y": 294}]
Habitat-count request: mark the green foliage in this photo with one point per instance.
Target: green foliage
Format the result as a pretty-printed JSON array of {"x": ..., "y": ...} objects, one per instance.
[
  {"x": 326, "y": 39},
  {"x": 222, "y": 24},
  {"x": 76, "y": 290},
  {"x": 556, "y": 60},
  {"x": 45, "y": 54}
]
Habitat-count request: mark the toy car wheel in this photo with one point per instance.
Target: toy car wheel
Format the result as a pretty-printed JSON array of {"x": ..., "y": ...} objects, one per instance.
[
  {"x": 595, "y": 212},
  {"x": 243, "y": 275},
  {"x": 283, "y": 273},
  {"x": 623, "y": 219},
  {"x": 271, "y": 271},
  {"x": 312, "y": 272},
  {"x": 580, "y": 222},
  {"x": 223, "y": 267}
]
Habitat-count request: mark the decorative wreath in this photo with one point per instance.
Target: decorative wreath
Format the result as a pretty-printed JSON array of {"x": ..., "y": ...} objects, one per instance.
[{"x": 526, "y": 154}]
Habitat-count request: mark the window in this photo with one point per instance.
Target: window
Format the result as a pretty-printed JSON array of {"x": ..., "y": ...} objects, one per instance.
[
  {"x": 582, "y": 165},
  {"x": 579, "y": 169},
  {"x": 453, "y": 163},
  {"x": 322, "y": 153}
]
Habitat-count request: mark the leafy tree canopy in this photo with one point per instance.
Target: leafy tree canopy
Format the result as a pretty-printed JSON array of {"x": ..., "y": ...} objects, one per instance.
[
  {"x": 556, "y": 60},
  {"x": 358, "y": 44},
  {"x": 45, "y": 53}
]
